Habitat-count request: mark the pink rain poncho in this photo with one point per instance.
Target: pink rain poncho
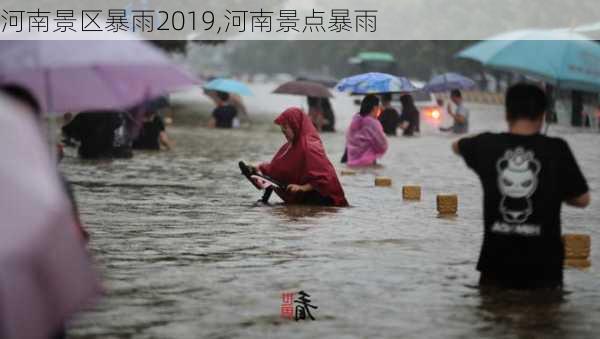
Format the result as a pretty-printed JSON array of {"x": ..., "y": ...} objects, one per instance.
[
  {"x": 45, "y": 272},
  {"x": 365, "y": 141}
]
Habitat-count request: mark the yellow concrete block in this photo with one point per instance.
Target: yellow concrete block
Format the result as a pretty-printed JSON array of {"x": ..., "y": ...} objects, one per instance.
[
  {"x": 578, "y": 263},
  {"x": 348, "y": 172},
  {"x": 447, "y": 204},
  {"x": 383, "y": 182},
  {"x": 411, "y": 192},
  {"x": 577, "y": 246}
]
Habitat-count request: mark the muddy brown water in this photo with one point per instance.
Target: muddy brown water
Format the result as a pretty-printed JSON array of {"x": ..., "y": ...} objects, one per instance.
[{"x": 186, "y": 253}]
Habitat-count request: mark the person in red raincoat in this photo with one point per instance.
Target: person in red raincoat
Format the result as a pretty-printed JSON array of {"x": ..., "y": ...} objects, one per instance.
[{"x": 303, "y": 165}]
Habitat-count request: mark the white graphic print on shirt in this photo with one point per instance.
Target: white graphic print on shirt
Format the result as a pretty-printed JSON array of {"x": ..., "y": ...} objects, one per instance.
[{"x": 517, "y": 180}]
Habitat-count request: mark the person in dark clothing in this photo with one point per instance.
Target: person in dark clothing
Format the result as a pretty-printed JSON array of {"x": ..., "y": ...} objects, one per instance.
[
  {"x": 66, "y": 141},
  {"x": 24, "y": 97},
  {"x": 389, "y": 117},
  {"x": 225, "y": 114},
  {"x": 577, "y": 108},
  {"x": 410, "y": 118},
  {"x": 328, "y": 116},
  {"x": 598, "y": 116},
  {"x": 315, "y": 112},
  {"x": 551, "y": 116},
  {"x": 102, "y": 135},
  {"x": 122, "y": 141},
  {"x": 526, "y": 176},
  {"x": 153, "y": 134},
  {"x": 321, "y": 114}
]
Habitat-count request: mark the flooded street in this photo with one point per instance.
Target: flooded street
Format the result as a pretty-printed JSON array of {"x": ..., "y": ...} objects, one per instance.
[{"x": 186, "y": 253}]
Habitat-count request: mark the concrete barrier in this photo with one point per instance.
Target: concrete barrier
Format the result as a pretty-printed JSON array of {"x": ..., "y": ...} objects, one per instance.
[
  {"x": 577, "y": 250},
  {"x": 578, "y": 263},
  {"x": 411, "y": 193},
  {"x": 383, "y": 182},
  {"x": 447, "y": 204}
]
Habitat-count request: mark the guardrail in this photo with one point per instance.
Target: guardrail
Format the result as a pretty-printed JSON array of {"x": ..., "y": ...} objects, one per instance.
[{"x": 480, "y": 97}]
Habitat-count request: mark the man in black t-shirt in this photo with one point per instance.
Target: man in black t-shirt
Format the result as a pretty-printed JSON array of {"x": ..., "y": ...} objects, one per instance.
[
  {"x": 224, "y": 115},
  {"x": 526, "y": 177},
  {"x": 153, "y": 134}
]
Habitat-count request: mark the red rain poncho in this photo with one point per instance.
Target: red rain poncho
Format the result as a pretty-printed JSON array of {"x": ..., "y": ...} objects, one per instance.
[{"x": 303, "y": 161}]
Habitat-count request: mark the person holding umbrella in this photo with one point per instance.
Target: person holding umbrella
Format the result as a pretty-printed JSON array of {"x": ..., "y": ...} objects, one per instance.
[
  {"x": 454, "y": 83},
  {"x": 221, "y": 91},
  {"x": 224, "y": 115},
  {"x": 235, "y": 100},
  {"x": 366, "y": 141},
  {"x": 319, "y": 106},
  {"x": 47, "y": 275}
]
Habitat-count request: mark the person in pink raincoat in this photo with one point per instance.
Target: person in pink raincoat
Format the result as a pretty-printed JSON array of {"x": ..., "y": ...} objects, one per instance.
[{"x": 365, "y": 140}]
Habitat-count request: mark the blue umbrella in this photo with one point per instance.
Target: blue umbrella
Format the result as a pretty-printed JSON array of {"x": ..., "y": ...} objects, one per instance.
[
  {"x": 228, "y": 86},
  {"x": 562, "y": 58},
  {"x": 447, "y": 82},
  {"x": 371, "y": 83}
]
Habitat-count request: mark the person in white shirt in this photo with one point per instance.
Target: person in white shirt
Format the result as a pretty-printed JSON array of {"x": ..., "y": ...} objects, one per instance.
[{"x": 460, "y": 115}]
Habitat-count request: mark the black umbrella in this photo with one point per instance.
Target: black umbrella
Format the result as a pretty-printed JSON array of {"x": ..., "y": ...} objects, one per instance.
[{"x": 304, "y": 88}]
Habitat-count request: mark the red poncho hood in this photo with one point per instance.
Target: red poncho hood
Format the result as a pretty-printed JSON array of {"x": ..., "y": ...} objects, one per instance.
[{"x": 304, "y": 160}]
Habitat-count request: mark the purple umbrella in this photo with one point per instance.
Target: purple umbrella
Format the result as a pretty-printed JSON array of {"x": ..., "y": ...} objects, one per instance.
[
  {"x": 45, "y": 273},
  {"x": 447, "y": 82},
  {"x": 304, "y": 88},
  {"x": 74, "y": 76}
]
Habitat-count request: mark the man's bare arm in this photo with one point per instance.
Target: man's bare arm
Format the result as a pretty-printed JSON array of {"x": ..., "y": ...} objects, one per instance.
[
  {"x": 455, "y": 148},
  {"x": 581, "y": 201}
]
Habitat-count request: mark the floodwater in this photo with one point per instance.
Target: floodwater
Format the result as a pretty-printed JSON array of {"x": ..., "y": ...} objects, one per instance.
[{"x": 186, "y": 253}]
